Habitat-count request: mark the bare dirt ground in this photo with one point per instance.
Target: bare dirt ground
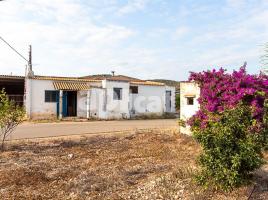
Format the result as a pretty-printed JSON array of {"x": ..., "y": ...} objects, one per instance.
[{"x": 152, "y": 164}]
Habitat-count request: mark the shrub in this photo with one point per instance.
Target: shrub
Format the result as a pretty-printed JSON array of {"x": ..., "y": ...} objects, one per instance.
[
  {"x": 10, "y": 117},
  {"x": 231, "y": 126},
  {"x": 231, "y": 150},
  {"x": 177, "y": 102}
]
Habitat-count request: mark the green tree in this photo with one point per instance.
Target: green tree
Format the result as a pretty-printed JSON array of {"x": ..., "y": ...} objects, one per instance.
[{"x": 11, "y": 116}]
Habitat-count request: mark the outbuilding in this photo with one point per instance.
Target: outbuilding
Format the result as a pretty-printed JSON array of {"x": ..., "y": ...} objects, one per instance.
[
  {"x": 14, "y": 87},
  {"x": 97, "y": 96},
  {"x": 189, "y": 94}
]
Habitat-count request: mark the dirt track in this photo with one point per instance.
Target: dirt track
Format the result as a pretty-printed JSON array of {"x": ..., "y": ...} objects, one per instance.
[{"x": 39, "y": 130}]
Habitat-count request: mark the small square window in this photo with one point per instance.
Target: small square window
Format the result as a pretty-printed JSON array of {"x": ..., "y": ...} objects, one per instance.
[
  {"x": 190, "y": 100},
  {"x": 117, "y": 93},
  {"x": 51, "y": 96},
  {"x": 134, "y": 89}
]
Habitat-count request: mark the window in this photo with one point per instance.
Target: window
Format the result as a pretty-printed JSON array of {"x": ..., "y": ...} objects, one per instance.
[
  {"x": 51, "y": 96},
  {"x": 117, "y": 93},
  {"x": 134, "y": 89},
  {"x": 190, "y": 100}
]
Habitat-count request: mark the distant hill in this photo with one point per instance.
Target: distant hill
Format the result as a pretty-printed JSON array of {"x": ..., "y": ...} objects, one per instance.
[{"x": 176, "y": 84}]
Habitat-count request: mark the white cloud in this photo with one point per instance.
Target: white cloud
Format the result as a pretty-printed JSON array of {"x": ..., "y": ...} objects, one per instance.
[
  {"x": 236, "y": 3},
  {"x": 233, "y": 43},
  {"x": 133, "y": 6},
  {"x": 74, "y": 38},
  {"x": 64, "y": 37},
  {"x": 180, "y": 32}
]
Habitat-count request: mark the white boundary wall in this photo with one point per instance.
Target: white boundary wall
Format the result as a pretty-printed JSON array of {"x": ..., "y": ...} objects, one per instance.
[{"x": 188, "y": 89}]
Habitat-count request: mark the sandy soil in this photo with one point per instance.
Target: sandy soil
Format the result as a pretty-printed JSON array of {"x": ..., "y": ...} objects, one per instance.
[{"x": 152, "y": 164}]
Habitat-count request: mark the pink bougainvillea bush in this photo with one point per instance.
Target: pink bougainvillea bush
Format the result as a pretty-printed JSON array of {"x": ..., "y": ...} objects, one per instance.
[
  {"x": 220, "y": 91},
  {"x": 231, "y": 126}
]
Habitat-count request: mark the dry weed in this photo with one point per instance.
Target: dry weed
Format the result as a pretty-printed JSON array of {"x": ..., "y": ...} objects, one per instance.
[{"x": 148, "y": 164}]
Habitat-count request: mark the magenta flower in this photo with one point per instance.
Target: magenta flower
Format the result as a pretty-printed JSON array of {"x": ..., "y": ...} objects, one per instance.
[{"x": 221, "y": 90}]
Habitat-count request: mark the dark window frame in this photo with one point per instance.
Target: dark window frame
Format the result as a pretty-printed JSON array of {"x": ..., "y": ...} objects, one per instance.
[
  {"x": 117, "y": 93},
  {"x": 133, "y": 89},
  {"x": 190, "y": 101},
  {"x": 51, "y": 96}
]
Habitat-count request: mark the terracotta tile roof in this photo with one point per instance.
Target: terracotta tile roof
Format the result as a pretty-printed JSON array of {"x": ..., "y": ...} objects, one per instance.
[
  {"x": 56, "y": 78},
  {"x": 190, "y": 95},
  {"x": 152, "y": 83},
  {"x": 122, "y": 78},
  {"x": 12, "y": 77},
  {"x": 93, "y": 78},
  {"x": 111, "y": 77}
]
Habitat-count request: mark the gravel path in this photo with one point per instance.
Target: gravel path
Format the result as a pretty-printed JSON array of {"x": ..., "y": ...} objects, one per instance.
[{"x": 40, "y": 130}]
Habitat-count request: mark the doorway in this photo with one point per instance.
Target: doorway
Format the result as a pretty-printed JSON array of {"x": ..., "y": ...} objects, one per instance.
[
  {"x": 168, "y": 101},
  {"x": 69, "y": 104}
]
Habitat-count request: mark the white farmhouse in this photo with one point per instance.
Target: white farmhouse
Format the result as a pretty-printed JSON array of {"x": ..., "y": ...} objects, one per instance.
[
  {"x": 189, "y": 93},
  {"x": 99, "y": 96}
]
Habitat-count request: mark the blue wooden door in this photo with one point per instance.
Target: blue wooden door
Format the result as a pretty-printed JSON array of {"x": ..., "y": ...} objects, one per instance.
[
  {"x": 64, "y": 104},
  {"x": 58, "y": 103}
]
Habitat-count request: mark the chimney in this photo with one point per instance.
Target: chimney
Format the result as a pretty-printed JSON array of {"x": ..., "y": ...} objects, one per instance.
[
  {"x": 30, "y": 69},
  {"x": 30, "y": 58}
]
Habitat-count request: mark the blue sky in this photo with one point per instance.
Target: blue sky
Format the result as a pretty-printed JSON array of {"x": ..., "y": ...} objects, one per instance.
[{"x": 142, "y": 38}]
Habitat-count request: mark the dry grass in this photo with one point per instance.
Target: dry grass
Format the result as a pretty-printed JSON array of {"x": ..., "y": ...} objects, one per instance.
[{"x": 152, "y": 164}]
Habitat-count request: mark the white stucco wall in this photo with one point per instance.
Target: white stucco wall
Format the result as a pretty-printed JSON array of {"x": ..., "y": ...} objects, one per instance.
[
  {"x": 96, "y": 84},
  {"x": 97, "y": 103},
  {"x": 116, "y": 108},
  {"x": 38, "y": 107},
  {"x": 82, "y": 103},
  {"x": 188, "y": 89},
  {"x": 150, "y": 99}
]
